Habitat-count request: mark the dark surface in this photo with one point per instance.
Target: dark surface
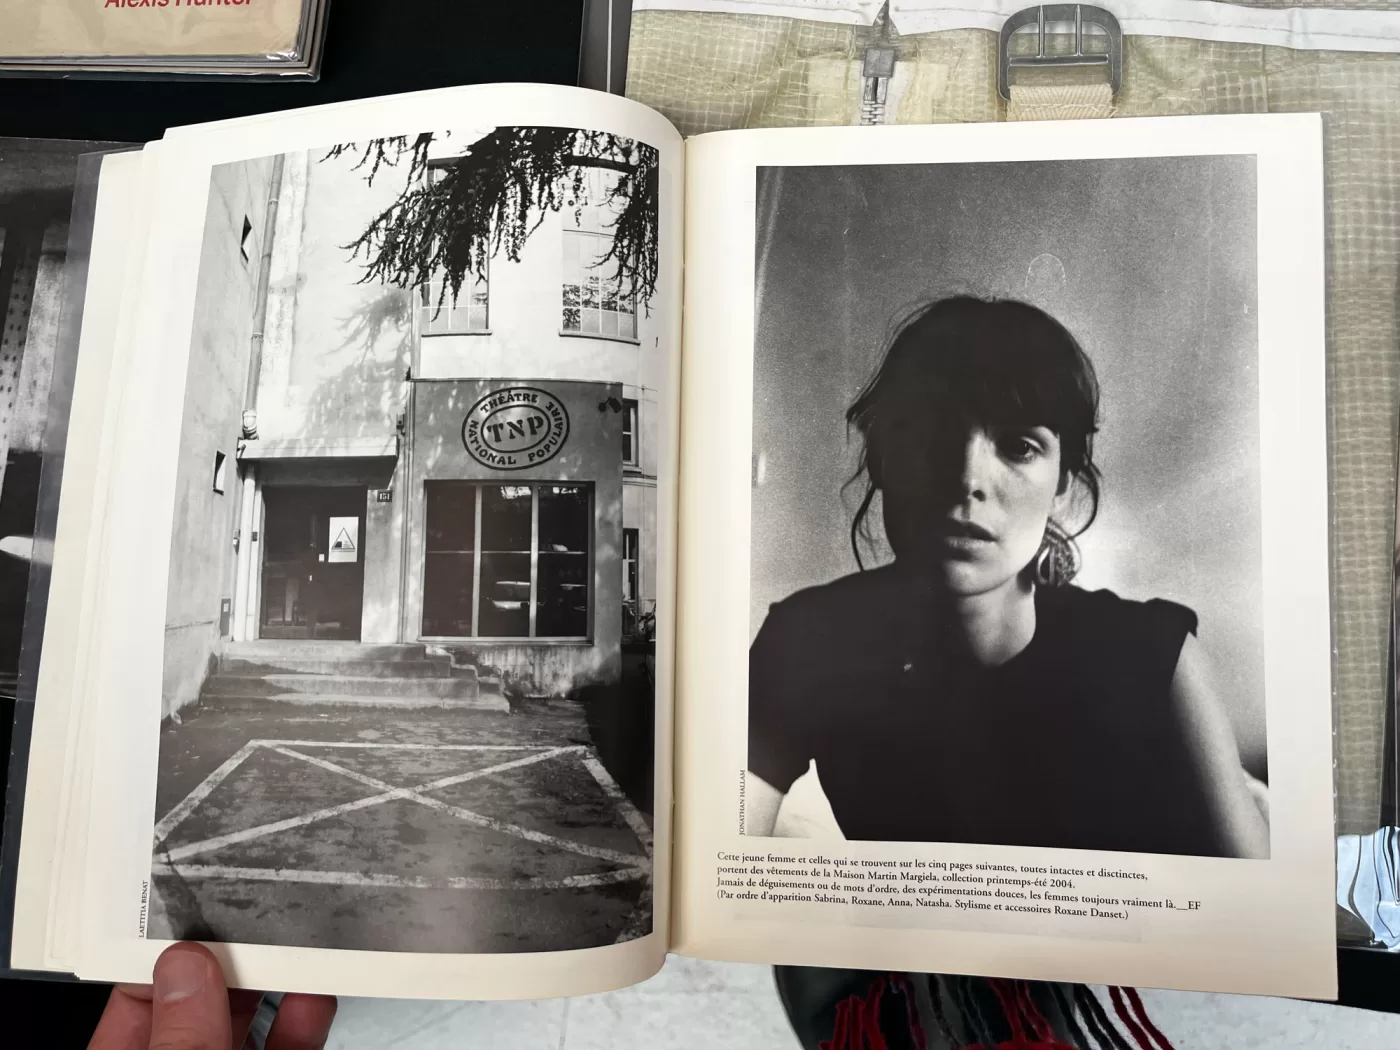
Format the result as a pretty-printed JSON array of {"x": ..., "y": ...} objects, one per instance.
[
  {"x": 372, "y": 48},
  {"x": 50, "y": 1014},
  {"x": 1368, "y": 979},
  {"x": 21, "y": 495}
]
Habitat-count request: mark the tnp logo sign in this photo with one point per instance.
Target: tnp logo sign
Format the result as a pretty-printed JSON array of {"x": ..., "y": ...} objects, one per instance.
[{"x": 515, "y": 428}]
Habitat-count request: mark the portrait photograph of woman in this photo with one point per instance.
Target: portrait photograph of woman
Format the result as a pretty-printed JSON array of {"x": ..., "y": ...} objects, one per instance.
[{"x": 1005, "y": 573}]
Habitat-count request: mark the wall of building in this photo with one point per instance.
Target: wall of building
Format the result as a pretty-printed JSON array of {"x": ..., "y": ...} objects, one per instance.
[
  {"x": 336, "y": 351},
  {"x": 332, "y": 384},
  {"x": 525, "y": 315},
  {"x": 383, "y": 554},
  {"x": 201, "y": 554},
  {"x": 590, "y": 454},
  {"x": 382, "y": 544},
  {"x": 526, "y": 341},
  {"x": 639, "y": 503},
  {"x": 332, "y": 380}
]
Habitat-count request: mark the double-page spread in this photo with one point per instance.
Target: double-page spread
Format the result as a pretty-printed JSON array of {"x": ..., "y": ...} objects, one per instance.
[{"x": 502, "y": 542}]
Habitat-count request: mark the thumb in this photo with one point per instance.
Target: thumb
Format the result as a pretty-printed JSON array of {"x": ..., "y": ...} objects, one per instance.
[{"x": 189, "y": 1002}]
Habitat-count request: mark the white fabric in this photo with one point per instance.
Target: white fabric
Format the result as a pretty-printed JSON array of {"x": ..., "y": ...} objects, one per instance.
[
  {"x": 1060, "y": 102},
  {"x": 1308, "y": 29},
  {"x": 1366, "y": 881},
  {"x": 846, "y": 12}
]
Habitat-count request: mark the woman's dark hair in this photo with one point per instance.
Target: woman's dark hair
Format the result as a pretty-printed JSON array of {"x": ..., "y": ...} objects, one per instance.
[{"x": 998, "y": 362}]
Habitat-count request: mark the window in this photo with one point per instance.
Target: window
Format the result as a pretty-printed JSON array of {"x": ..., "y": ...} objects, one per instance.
[
  {"x": 243, "y": 238},
  {"x": 439, "y": 313},
  {"x": 630, "y": 540},
  {"x": 630, "y": 456},
  {"x": 220, "y": 472},
  {"x": 442, "y": 313},
  {"x": 593, "y": 303},
  {"x": 507, "y": 561}
]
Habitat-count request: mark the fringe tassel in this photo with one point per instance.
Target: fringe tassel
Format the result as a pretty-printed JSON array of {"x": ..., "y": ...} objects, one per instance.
[
  {"x": 857, "y": 1024},
  {"x": 940, "y": 1018},
  {"x": 858, "y": 1019},
  {"x": 1121, "y": 1009},
  {"x": 1066, "y": 1009},
  {"x": 1020, "y": 1011},
  {"x": 911, "y": 1010},
  {"x": 1099, "y": 1025},
  {"x": 1147, "y": 1034}
]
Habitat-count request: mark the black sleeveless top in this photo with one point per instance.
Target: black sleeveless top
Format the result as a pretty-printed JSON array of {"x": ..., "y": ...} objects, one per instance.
[{"x": 1073, "y": 742}]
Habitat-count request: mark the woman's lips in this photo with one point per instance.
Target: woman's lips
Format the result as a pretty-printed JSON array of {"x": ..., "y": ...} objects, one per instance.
[{"x": 955, "y": 530}]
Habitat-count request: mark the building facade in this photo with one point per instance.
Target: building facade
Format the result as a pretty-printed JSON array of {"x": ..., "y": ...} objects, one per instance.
[{"x": 365, "y": 463}]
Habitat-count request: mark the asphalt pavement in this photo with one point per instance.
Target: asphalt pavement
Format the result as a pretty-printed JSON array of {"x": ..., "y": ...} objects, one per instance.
[{"x": 395, "y": 830}]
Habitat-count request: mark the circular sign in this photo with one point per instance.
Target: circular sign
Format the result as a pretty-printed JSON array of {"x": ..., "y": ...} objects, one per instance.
[{"x": 515, "y": 428}]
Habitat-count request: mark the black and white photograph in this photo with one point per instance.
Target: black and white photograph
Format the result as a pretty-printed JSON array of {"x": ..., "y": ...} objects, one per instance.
[
  {"x": 1007, "y": 541},
  {"x": 409, "y": 652},
  {"x": 38, "y": 181}
]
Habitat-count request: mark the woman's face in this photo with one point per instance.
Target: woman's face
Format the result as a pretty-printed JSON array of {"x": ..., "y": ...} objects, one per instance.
[{"x": 970, "y": 501}]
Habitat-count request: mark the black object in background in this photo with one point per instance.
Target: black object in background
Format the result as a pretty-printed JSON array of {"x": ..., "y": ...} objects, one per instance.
[
  {"x": 372, "y": 48},
  {"x": 607, "y": 26}
]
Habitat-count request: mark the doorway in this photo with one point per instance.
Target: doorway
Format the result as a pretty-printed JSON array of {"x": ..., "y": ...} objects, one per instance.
[{"x": 313, "y": 572}]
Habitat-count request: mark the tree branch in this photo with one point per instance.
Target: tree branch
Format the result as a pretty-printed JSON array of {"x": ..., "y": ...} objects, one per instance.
[{"x": 494, "y": 196}]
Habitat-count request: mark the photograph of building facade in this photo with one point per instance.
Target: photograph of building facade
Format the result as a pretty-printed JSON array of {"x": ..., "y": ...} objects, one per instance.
[
  {"x": 416, "y": 515},
  {"x": 37, "y": 183},
  {"x": 336, "y": 399}
]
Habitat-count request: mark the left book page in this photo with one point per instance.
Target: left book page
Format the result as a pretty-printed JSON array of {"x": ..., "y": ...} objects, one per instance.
[{"x": 386, "y": 586}]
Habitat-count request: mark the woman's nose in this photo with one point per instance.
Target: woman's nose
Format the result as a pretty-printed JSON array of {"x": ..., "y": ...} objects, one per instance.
[{"x": 978, "y": 461}]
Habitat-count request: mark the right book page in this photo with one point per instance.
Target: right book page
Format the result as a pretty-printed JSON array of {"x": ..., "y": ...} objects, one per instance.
[{"x": 1004, "y": 617}]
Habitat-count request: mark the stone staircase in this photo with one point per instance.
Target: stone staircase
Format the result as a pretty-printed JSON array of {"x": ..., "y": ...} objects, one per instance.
[{"x": 347, "y": 673}]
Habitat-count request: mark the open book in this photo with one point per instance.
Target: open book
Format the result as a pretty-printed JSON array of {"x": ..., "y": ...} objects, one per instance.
[{"x": 502, "y": 543}]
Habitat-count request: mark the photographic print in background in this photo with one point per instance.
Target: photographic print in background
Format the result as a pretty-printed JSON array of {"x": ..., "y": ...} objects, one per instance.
[
  {"x": 420, "y": 440},
  {"x": 47, "y": 195},
  {"x": 1149, "y": 266},
  {"x": 38, "y": 180}
]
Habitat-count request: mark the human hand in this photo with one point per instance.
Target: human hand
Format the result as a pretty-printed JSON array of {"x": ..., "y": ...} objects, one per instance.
[{"x": 189, "y": 1007}]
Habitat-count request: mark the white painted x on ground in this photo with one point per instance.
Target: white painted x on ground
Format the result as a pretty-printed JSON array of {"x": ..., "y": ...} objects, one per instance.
[{"x": 174, "y": 861}]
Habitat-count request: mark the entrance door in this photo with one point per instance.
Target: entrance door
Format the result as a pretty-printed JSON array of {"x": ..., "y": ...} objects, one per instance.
[{"x": 313, "y": 575}]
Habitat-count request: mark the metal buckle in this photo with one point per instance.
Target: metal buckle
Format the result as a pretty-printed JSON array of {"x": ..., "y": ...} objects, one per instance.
[{"x": 1048, "y": 14}]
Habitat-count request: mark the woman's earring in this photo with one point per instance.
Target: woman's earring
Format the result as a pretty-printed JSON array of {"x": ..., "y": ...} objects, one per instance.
[{"x": 1057, "y": 562}]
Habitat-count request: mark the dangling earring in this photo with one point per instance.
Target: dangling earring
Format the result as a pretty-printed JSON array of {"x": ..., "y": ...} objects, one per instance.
[{"x": 1057, "y": 561}]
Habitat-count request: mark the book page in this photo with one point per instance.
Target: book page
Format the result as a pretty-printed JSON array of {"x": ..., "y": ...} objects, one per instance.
[
  {"x": 386, "y": 707},
  {"x": 48, "y": 891},
  {"x": 1004, "y": 575}
]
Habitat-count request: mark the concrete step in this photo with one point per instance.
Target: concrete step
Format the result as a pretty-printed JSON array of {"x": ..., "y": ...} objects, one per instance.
[
  {"x": 484, "y": 702},
  {"x": 274, "y": 651},
  {"x": 460, "y": 687},
  {"x": 428, "y": 667}
]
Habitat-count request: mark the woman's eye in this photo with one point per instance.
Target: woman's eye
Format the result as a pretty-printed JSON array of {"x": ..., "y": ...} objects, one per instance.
[{"x": 1021, "y": 449}]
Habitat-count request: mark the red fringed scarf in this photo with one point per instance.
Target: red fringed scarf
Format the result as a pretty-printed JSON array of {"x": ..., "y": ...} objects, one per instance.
[{"x": 857, "y": 1024}]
